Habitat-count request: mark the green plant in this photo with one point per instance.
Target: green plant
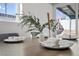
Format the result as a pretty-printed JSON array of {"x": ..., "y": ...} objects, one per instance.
[{"x": 34, "y": 23}]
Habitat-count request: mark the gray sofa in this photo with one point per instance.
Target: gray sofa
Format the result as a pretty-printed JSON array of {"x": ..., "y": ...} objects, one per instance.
[{"x": 6, "y": 35}]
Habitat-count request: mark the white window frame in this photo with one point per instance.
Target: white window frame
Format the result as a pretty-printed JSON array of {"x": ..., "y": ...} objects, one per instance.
[{"x": 15, "y": 19}]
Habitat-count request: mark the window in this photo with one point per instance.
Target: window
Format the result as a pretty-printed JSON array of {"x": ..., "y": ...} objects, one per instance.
[
  {"x": 2, "y": 8},
  {"x": 60, "y": 15},
  {"x": 8, "y": 10},
  {"x": 11, "y": 9}
]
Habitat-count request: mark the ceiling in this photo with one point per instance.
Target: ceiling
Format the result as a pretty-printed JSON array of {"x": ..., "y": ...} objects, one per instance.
[{"x": 67, "y": 9}]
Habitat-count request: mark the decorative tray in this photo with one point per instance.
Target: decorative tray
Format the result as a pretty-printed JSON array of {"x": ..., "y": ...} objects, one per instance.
[
  {"x": 13, "y": 39},
  {"x": 59, "y": 44}
]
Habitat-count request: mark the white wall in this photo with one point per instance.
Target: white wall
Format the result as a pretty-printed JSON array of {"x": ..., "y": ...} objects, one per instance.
[
  {"x": 2, "y": 18},
  {"x": 39, "y": 10},
  {"x": 11, "y": 27},
  {"x": 8, "y": 25}
]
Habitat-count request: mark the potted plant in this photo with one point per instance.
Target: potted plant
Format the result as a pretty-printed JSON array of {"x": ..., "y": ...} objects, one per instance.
[{"x": 33, "y": 23}]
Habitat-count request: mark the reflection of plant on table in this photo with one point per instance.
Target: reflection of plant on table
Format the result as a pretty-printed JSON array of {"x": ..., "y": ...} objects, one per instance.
[{"x": 33, "y": 23}]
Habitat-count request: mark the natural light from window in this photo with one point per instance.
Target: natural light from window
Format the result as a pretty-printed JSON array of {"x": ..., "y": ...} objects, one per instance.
[{"x": 8, "y": 8}]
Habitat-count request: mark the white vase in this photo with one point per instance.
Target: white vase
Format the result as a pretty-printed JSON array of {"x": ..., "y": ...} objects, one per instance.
[{"x": 41, "y": 37}]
